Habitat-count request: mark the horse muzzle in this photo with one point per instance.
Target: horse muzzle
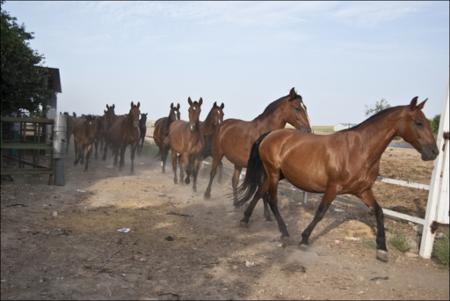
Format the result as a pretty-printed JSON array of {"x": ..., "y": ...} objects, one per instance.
[{"x": 429, "y": 152}]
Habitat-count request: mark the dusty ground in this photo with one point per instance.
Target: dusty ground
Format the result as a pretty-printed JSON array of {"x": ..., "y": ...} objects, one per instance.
[{"x": 63, "y": 243}]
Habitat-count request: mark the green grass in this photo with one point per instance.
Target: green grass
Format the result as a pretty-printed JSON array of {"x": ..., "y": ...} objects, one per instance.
[
  {"x": 400, "y": 242},
  {"x": 441, "y": 250}
]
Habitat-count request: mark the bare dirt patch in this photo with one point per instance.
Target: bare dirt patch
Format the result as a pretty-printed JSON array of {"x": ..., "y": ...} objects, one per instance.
[{"x": 64, "y": 243}]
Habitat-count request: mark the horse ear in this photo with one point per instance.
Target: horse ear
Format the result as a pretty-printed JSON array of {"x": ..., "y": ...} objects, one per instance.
[
  {"x": 178, "y": 106},
  {"x": 171, "y": 105},
  {"x": 190, "y": 101},
  {"x": 113, "y": 106},
  {"x": 132, "y": 104},
  {"x": 222, "y": 105},
  {"x": 413, "y": 103},
  {"x": 292, "y": 94},
  {"x": 422, "y": 104},
  {"x": 138, "y": 104},
  {"x": 200, "y": 101},
  {"x": 107, "y": 106},
  {"x": 215, "y": 104}
]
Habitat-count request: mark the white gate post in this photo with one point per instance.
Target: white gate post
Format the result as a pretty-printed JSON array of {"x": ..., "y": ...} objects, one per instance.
[{"x": 434, "y": 195}]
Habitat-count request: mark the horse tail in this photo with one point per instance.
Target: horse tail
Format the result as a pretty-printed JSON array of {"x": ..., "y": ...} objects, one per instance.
[{"x": 254, "y": 177}]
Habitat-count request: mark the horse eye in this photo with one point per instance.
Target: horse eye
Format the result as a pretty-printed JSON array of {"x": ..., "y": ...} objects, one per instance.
[{"x": 419, "y": 124}]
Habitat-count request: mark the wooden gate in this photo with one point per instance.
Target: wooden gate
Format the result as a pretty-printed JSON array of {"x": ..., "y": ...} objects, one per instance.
[{"x": 26, "y": 146}]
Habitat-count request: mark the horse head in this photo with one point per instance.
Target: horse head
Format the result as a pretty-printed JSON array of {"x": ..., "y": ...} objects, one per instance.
[
  {"x": 194, "y": 113},
  {"x": 135, "y": 113},
  {"x": 216, "y": 114},
  {"x": 416, "y": 130},
  {"x": 295, "y": 112}
]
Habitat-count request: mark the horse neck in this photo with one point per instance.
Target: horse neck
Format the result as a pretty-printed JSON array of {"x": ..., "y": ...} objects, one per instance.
[
  {"x": 128, "y": 122},
  {"x": 270, "y": 122},
  {"x": 377, "y": 135},
  {"x": 207, "y": 126}
]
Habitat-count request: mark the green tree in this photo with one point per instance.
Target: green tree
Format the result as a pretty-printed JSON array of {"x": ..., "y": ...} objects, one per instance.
[
  {"x": 435, "y": 123},
  {"x": 379, "y": 106},
  {"x": 23, "y": 84}
]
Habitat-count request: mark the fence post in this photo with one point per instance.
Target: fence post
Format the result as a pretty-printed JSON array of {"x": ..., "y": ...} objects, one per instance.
[
  {"x": 59, "y": 142},
  {"x": 434, "y": 196}
]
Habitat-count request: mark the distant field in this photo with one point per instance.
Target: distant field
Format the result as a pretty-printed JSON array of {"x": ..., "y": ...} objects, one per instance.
[{"x": 323, "y": 129}]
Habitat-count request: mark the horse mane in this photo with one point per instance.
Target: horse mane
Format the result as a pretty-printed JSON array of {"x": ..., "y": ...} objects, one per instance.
[
  {"x": 272, "y": 107},
  {"x": 373, "y": 118}
]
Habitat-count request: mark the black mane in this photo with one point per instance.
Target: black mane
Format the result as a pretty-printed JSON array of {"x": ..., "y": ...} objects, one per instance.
[
  {"x": 273, "y": 105},
  {"x": 373, "y": 117}
]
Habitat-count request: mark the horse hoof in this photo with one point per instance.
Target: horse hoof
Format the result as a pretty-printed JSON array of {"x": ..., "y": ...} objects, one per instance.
[
  {"x": 285, "y": 241},
  {"x": 243, "y": 224},
  {"x": 382, "y": 255},
  {"x": 207, "y": 196},
  {"x": 187, "y": 181}
]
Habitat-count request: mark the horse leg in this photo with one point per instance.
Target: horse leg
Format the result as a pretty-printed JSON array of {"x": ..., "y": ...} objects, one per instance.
[
  {"x": 217, "y": 158},
  {"x": 273, "y": 178},
  {"x": 122, "y": 156},
  {"x": 266, "y": 209},
  {"x": 196, "y": 167},
  {"x": 105, "y": 150},
  {"x": 235, "y": 182},
  {"x": 219, "y": 180},
  {"x": 189, "y": 169},
  {"x": 87, "y": 154},
  {"x": 184, "y": 162},
  {"x": 327, "y": 199},
  {"x": 75, "y": 148},
  {"x": 174, "y": 165},
  {"x": 164, "y": 152},
  {"x": 261, "y": 192},
  {"x": 369, "y": 199},
  {"x": 133, "y": 150}
]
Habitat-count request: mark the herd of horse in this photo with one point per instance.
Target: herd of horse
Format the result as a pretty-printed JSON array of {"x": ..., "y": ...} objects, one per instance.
[{"x": 345, "y": 162}]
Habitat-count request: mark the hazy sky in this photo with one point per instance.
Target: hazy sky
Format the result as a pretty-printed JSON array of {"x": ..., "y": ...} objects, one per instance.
[{"x": 340, "y": 56}]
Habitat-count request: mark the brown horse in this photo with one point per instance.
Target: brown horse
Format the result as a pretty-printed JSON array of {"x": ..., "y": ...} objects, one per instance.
[
  {"x": 186, "y": 139},
  {"x": 108, "y": 119},
  {"x": 235, "y": 137},
  {"x": 346, "y": 162},
  {"x": 123, "y": 132},
  {"x": 84, "y": 133},
  {"x": 208, "y": 128},
  {"x": 162, "y": 131},
  {"x": 143, "y": 131}
]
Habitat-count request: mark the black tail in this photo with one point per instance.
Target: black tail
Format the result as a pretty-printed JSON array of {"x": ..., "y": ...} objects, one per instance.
[{"x": 254, "y": 177}]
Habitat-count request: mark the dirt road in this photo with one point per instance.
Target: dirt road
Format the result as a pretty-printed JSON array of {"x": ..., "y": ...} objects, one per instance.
[{"x": 64, "y": 243}]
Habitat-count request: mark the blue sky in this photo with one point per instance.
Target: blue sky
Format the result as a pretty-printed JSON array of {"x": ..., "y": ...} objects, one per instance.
[{"x": 340, "y": 56}]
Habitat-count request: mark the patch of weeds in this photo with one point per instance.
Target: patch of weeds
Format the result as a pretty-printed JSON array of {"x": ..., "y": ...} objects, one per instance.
[
  {"x": 149, "y": 149},
  {"x": 400, "y": 242},
  {"x": 441, "y": 250},
  {"x": 369, "y": 243}
]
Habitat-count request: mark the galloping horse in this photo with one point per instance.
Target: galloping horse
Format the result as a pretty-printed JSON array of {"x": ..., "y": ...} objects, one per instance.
[
  {"x": 208, "y": 129},
  {"x": 108, "y": 119},
  {"x": 123, "y": 132},
  {"x": 84, "y": 133},
  {"x": 346, "y": 162},
  {"x": 162, "y": 131},
  {"x": 235, "y": 137},
  {"x": 186, "y": 139},
  {"x": 143, "y": 130}
]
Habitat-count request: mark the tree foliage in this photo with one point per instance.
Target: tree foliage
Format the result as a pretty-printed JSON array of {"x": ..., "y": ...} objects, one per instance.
[
  {"x": 379, "y": 106},
  {"x": 23, "y": 84},
  {"x": 435, "y": 123}
]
